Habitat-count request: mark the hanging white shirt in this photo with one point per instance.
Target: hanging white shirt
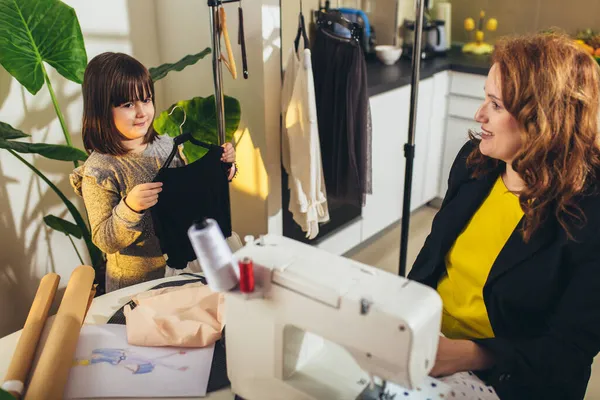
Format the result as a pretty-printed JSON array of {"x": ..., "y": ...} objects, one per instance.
[{"x": 301, "y": 147}]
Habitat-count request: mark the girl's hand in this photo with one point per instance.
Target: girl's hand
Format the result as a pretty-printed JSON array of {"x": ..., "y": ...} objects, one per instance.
[
  {"x": 143, "y": 196},
  {"x": 228, "y": 153}
]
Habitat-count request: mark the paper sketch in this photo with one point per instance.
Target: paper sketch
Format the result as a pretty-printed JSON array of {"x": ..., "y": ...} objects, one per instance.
[
  {"x": 129, "y": 359},
  {"x": 106, "y": 366}
]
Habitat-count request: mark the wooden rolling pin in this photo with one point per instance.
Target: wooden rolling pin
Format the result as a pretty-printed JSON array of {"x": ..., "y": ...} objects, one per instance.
[
  {"x": 52, "y": 371},
  {"x": 22, "y": 359}
]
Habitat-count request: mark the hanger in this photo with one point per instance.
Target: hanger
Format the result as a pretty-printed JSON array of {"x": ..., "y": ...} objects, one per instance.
[
  {"x": 301, "y": 31},
  {"x": 327, "y": 19},
  {"x": 182, "y": 138},
  {"x": 242, "y": 41},
  {"x": 184, "y": 118},
  {"x": 229, "y": 61}
]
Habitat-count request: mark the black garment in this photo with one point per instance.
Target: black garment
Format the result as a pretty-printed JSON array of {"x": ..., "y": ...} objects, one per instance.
[
  {"x": 190, "y": 193},
  {"x": 542, "y": 297},
  {"x": 340, "y": 77}
]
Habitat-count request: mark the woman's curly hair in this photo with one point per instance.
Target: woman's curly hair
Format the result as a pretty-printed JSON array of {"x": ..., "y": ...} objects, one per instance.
[{"x": 551, "y": 86}]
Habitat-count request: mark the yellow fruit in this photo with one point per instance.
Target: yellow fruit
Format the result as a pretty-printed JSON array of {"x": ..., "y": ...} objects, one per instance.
[
  {"x": 579, "y": 41},
  {"x": 587, "y": 48},
  {"x": 482, "y": 14},
  {"x": 479, "y": 36},
  {"x": 469, "y": 24},
  {"x": 492, "y": 24}
]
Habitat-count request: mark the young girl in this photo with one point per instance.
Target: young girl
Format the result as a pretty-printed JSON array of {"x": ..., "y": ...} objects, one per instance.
[{"x": 125, "y": 155}]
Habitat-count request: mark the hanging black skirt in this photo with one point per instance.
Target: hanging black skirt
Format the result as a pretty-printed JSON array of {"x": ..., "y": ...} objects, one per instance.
[
  {"x": 190, "y": 193},
  {"x": 343, "y": 112}
]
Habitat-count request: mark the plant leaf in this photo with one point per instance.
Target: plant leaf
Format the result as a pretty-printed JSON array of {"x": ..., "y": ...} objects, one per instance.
[
  {"x": 64, "y": 226},
  {"x": 161, "y": 71},
  {"x": 201, "y": 122},
  {"x": 8, "y": 132},
  {"x": 34, "y": 31},
  {"x": 53, "y": 151},
  {"x": 4, "y": 395}
]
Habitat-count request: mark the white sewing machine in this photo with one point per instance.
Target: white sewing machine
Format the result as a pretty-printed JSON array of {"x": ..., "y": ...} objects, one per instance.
[{"x": 312, "y": 310}]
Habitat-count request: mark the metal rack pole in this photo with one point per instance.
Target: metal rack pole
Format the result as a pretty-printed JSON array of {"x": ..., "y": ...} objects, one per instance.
[
  {"x": 409, "y": 148},
  {"x": 217, "y": 71}
]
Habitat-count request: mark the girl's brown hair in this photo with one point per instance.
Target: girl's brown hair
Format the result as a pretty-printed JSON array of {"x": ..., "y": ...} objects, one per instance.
[
  {"x": 551, "y": 86},
  {"x": 110, "y": 80}
]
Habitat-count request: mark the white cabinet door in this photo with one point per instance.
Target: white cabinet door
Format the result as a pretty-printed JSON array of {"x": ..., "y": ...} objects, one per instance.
[
  {"x": 466, "y": 96},
  {"x": 389, "y": 114},
  {"x": 421, "y": 142},
  {"x": 435, "y": 144},
  {"x": 456, "y": 136}
]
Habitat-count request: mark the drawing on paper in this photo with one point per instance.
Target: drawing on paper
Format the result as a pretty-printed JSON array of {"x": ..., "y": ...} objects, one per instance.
[
  {"x": 129, "y": 359},
  {"x": 105, "y": 365}
]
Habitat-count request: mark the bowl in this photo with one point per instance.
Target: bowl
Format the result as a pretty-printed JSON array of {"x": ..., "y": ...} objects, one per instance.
[{"x": 388, "y": 54}]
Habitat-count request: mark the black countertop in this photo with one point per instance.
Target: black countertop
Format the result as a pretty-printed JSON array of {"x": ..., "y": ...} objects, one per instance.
[{"x": 382, "y": 78}]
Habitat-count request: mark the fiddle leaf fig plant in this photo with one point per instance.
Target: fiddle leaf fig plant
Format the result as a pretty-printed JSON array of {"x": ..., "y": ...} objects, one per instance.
[{"x": 200, "y": 121}]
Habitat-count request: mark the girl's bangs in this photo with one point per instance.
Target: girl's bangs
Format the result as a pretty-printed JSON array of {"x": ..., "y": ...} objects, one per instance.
[{"x": 133, "y": 85}]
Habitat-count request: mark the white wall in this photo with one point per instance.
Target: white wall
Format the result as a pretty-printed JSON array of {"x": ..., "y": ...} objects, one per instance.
[{"x": 154, "y": 31}]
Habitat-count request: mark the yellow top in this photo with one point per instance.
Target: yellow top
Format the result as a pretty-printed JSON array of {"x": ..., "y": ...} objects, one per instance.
[{"x": 469, "y": 261}]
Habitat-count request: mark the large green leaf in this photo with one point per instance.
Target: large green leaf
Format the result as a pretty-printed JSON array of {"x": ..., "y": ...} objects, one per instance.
[
  {"x": 8, "y": 132},
  {"x": 52, "y": 151},
  {"x": 34, "y": 31},
  {"x": 64, "y": 226},
  {"x": 4, "y": 395},
  {"x": 201, "y": 122},
  {"x": 95, "y": 253},
  {"x": 191, "y": 59}
]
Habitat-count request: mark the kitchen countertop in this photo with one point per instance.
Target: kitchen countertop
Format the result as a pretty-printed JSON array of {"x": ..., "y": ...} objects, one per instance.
[{"x": 382, "y": 78}]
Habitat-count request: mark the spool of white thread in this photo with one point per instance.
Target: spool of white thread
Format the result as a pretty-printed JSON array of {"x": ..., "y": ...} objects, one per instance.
[{"x": 216, "y": 259}]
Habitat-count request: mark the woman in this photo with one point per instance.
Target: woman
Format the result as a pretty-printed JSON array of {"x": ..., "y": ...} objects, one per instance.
[{"x": 514, "y": 251}]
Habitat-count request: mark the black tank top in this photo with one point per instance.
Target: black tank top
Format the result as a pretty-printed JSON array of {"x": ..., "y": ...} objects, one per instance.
[{"x": 190, "y": 193}]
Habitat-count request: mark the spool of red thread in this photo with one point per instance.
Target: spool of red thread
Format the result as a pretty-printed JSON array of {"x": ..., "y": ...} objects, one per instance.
[{"x": 246, "y": 275}]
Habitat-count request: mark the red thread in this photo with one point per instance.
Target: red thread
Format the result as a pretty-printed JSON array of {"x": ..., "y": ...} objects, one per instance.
[{"x": 246, "y": 275}]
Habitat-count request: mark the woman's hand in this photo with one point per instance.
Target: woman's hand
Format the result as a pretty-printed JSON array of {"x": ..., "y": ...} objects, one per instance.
[
  {"x": 228, "y": 153},
  {"x": 459, "y": 355},
  {"x": 143, "y": 196}
]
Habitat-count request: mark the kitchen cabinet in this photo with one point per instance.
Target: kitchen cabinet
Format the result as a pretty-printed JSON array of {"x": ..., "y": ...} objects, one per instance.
[
  {"x": 456, "y": 137},
  {"x": 390, "y": 119},
  {"x": 435, "y": 143},
  {"x": 465, "y": 96},
  {"x": 389, "y": 116},
  {"x": 424, "y": 113}
]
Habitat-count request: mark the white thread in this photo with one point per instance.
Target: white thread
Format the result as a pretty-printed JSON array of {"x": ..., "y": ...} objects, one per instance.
[
  {"x": 214, "y": 255},
  {"x": 13, "y": 386}
]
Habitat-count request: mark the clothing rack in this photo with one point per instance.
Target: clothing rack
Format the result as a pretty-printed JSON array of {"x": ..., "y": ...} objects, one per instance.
[
  {"x": 218, "y": 70},
  {"x": 409, "y": 148},
  {"x": 217, "y": 65}
]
